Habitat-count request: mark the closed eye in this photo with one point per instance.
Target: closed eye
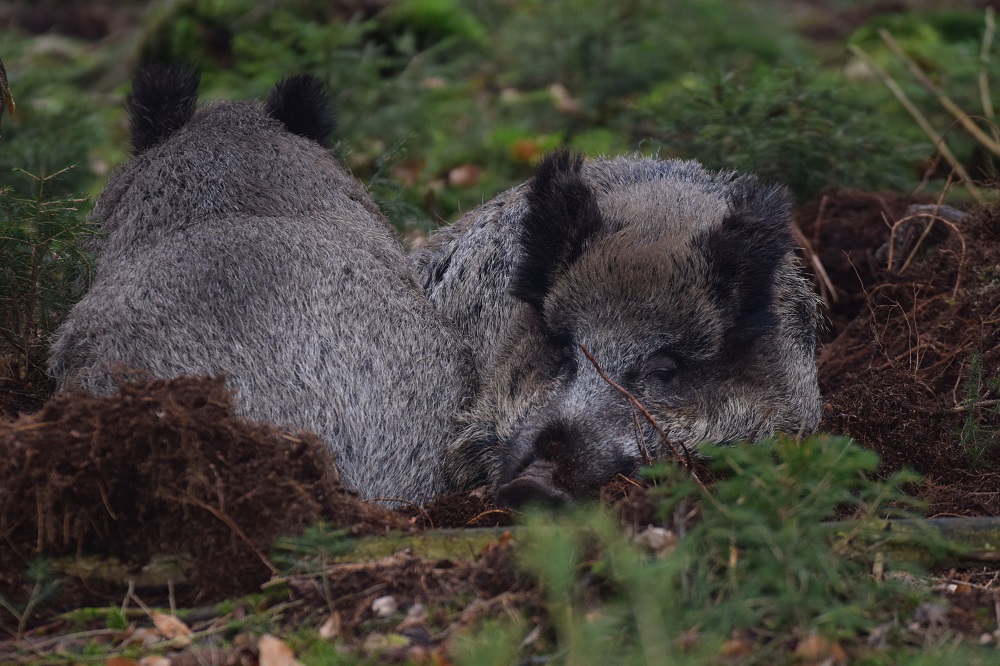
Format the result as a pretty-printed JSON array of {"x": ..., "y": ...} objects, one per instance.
[{"x": 661, "y": 369}]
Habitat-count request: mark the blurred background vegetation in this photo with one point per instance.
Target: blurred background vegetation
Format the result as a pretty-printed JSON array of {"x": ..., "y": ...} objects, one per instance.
[{"x": 444, "y": 103}]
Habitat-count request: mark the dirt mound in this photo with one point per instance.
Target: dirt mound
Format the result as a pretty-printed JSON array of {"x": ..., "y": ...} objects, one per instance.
[
  {"x": 165, "y": 466},
  {"x": 911, "y": 364}
]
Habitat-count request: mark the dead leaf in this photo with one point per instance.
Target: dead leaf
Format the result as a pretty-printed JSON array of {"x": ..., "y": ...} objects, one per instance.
[
  {"x": 814, "y": 649},
  {"x": 736, "y": 647},
  {"x": 526, "y": 150},
  {"x": 120, "y": 661},
  {"x": 171, "y": 628},
  {"x": 385, "y": 606},
  {"x": 154, "y": 661},
  {"x": 562, "y": 98},
  {"x": 465, "y": 175},
  {"x": 331, "y": 628},
  {"x": 143, "y": 636},
  {"x": 376, "y": 643},
  {"x": 275, "y": 652},
  {"x": 657, "y": 540}
]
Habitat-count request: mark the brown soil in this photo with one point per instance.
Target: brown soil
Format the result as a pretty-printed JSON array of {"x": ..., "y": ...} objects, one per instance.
[
  {"x": 165, "y": 466},
  {"x": 910, "y": 364}
]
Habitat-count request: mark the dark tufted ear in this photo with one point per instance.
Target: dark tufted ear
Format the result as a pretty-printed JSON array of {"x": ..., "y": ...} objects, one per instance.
[
  {"x": 300, "y": 102},
  {"x": 562, "y": 214},
  {"x": 161, "y": 101},
  {"x": 744, "y": 253}
]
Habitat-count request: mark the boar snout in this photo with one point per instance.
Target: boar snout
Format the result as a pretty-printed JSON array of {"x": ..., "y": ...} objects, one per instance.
[{"x": 555, "y": 457}]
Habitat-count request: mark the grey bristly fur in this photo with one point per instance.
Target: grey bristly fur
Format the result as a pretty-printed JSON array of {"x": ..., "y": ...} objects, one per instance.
[
  {"x": 682, "y": 283},
  {"x": 235, "y": 245}
]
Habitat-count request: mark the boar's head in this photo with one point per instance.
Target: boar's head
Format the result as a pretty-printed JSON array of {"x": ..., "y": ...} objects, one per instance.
[{"x": 679, "y": 296}]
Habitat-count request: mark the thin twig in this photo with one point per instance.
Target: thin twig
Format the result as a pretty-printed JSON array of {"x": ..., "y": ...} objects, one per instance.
[
  {"x": 976, "y": 405},
  {"x": 927, "y": 230},
  {"x": 826, "y": 284},
  {"x": 475, "y": 519},
  {"x": 922, "y": 121},
  {"x": 984, "y": 63},
  {"x": 230, "y": 524},
  {"x": 686, "y": 458}
]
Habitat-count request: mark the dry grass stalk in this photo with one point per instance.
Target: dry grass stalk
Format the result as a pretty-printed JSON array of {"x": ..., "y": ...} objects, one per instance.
[
  {"x": 828, "y": 292},
  {"x": 922, "y": 121},
  {"x": 927, "y": 230},
  {"x": 984, "y": 64},
  {"x": 920, "y": 77}
]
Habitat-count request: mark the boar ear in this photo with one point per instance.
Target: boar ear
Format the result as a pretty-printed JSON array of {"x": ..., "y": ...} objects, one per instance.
[
  {"x": 300, "y": 102},
  {"x": 161, "y": 101},
  {"x": 562, "y": 214},
  {"x": 744, "y": 253}
]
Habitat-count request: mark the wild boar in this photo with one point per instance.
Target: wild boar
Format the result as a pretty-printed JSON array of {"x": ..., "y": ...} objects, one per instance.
[
  {"x": 681, "y": 284},
  {"x": 233, "y": 242}
]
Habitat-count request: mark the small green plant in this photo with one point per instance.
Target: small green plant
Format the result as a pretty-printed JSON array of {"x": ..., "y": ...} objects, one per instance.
[
  {"x": 43, "y": 270},
  {"x": 795, "y": 126},
  {"x": 980, "y": 404},
  {"x": 116, "y": 619},
  {"x": 309, "y": 554},
  {"x": 761, "y": 562},
  {"x": 44, "y": 586}
]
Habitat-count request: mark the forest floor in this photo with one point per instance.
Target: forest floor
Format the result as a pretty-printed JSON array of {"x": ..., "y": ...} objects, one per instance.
[{"x": 912, "y": 302}]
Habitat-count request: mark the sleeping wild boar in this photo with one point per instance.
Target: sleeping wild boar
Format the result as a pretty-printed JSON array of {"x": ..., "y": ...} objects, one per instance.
[
  {"x": 234, "y": 242},
  {"x": 683, "y": 286}
]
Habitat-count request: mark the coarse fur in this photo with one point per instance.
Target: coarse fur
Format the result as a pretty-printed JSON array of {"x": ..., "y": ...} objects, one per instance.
[
  {"x": 235, "y": 243},
  {"x": 682, "y": 283}
]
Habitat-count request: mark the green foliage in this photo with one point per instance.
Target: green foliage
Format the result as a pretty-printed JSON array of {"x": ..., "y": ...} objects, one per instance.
[
  {"x": 601, "y": 51},
  {"x": 116, "y": 619},
  {"x": 797, "y": 127},
  {"x": 60, "y": 121},
  {"x": 977, "y": 437},
  {"x": 946, "y": 45},
  {"x": 308, "y": 553},
  {"x": 43, "y": 269},
  {"x": 760, "y": 561},
  {"x": 432, "y": 21},
  {"x": 44, "y": 586}
]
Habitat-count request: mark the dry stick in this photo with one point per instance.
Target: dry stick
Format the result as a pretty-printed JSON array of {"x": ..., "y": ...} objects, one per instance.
[
  {"x": 922, "y": 121},
  {"x": 686, "y": 459},
  {"x": 230, "y": 524},
  {"x": 826, "y": 284},
  {"x": 927, "y": 230},
  {"x": 475, "y": 519},
  {"x": 918, "y": 74},
  {"x": 984, "y": 64},
  {"x": 976, "y": 405}
]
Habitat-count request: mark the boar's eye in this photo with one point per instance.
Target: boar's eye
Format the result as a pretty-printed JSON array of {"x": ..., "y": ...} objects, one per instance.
[
  {"x": 662, "y": 369},
  {"x": 563, "y": 355}
]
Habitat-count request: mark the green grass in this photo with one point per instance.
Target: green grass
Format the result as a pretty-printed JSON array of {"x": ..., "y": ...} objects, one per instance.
[{"x": 759, "y": 563}]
